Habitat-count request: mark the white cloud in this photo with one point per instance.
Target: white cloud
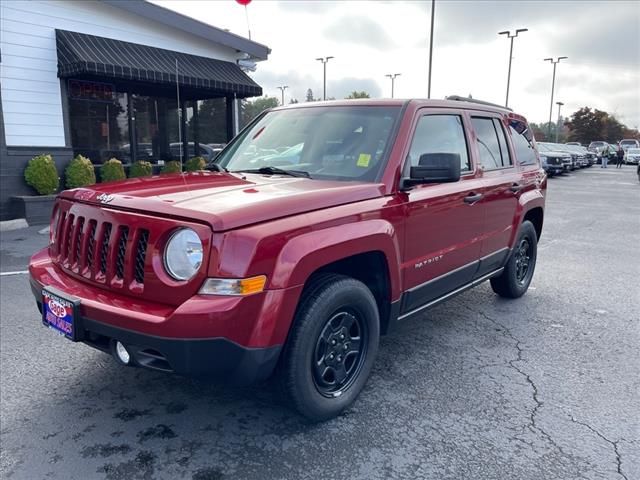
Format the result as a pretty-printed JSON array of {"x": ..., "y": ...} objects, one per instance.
[{"x": 371, "y": 39}]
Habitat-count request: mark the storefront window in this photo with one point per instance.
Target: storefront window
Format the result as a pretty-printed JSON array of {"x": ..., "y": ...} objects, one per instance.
[
  {"x": 108, "y": 123},
  {"x": 99, "y": 125}
]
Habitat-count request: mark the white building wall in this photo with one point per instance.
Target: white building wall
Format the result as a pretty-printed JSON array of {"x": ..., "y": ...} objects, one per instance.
[{"x": 31, "y": 96}]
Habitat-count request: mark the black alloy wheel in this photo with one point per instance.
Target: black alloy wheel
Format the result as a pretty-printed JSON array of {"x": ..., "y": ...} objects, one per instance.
[
  {"x": 514, "y": 280},
  {"x": 331, "y": 347},
  {"x": 339, "y": 353}
]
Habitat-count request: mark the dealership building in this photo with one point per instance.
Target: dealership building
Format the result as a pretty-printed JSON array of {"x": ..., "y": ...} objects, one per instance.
[{"x": 114, "y": 79}]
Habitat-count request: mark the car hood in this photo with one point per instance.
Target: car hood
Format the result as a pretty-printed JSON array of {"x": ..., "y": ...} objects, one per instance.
[
  {"x": 223, "y": 200},
  {"x": 556, "y": 153}
]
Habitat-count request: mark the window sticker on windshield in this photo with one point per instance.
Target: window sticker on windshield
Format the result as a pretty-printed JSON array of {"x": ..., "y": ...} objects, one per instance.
[{"x": 363, "y": 160}]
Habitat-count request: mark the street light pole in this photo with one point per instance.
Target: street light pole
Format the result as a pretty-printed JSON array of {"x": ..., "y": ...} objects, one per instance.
[
  {"x": 560, "y": 104},
  {"x": 324, "y": 61},
  {"x": 553, "y": 85},
  {"x": 508, "y": 34},
  {"x": 433, "y": 14},
  {"x": 282, "y": 89},
  {"x": 392, "y": 76}
]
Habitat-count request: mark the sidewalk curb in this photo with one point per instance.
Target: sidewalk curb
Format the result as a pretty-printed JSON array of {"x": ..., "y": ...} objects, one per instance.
[{"x": 17, "y": 224}]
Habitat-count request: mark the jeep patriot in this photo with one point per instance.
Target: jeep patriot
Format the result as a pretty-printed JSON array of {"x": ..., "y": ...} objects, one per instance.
[{"x": 319, "y": 228}]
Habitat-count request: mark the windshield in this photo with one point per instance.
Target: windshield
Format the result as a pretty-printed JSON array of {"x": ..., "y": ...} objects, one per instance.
[
  {"x": 628, "y": 142},
  {"x": 334, "y": 143},
  {"x": 597, "y": 144}
]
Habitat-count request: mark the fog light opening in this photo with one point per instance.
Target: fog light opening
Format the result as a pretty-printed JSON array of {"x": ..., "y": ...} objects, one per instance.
[{"x": 122, "y": 353}]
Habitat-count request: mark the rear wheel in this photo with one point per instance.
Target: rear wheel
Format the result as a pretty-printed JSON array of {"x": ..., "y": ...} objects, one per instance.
[
  {"x": 331, "y": 348},
  {"x": 514, "y": 281}
]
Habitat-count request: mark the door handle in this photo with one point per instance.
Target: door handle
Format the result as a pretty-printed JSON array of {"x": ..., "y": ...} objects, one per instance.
[
  {"x": 472, "y": 198},
  {"x": 516, "y": 187}
]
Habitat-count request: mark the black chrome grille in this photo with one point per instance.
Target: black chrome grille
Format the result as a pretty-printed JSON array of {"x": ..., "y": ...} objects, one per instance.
[
  {"x": 79, "y": 227},
  {"x": 91, "y": 243},
  {"x": 104, "y": 248},
  {"x": 122, "y": 250},
  {"x": 141, "y": 254}
]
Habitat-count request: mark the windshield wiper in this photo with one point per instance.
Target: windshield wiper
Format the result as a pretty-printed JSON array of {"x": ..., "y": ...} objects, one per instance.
[
  {"x": 276, "y": 171},
  {"x": 216, "y": 168}
]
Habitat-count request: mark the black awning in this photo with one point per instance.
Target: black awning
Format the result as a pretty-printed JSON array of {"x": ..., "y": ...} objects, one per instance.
[{"x": 82, "y": 54}]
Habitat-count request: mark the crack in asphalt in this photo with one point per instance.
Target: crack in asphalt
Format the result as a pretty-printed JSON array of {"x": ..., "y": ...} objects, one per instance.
[
  {"x": 533, "y": 426},
  {"x": 611, "y": 442}
]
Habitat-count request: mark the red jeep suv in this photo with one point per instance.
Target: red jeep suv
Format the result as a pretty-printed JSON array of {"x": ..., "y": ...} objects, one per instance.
[{"x": 316, "y": 230}]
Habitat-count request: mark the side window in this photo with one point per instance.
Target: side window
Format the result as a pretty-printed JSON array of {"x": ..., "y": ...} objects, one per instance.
[
  {"x": 491, "y": 143},
  {"x": 502, "y": 140},
  {"x": 439, "y": 134},
  {"x": 524, "y": 150}
]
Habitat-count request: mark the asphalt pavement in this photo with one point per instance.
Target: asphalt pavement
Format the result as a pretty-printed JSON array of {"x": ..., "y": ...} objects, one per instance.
[{"x": 544, "y": 387}]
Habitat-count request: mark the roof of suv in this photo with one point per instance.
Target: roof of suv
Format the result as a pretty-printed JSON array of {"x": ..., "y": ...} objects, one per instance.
[{"x": 391, "y": 102}]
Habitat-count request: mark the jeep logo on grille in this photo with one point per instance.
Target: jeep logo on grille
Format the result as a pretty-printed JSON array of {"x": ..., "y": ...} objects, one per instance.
[{"x": 104, "y": 198}]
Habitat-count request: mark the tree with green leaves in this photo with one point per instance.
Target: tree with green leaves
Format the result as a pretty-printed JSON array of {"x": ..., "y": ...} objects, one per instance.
[
  {"x": 587, "y": 125},
  {"x": 250, "y": 109},
  {"x": 355, "y": 94}
]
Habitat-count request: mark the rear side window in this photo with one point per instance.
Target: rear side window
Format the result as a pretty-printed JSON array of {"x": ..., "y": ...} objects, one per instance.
[
  {"x": 439, "y": 134},
  {"x": 492, "y": 144},
  {"x": 525, "y": 153}
]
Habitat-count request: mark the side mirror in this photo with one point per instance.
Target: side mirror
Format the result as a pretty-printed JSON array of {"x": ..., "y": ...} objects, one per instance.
[{"x": 434, "y": 168}]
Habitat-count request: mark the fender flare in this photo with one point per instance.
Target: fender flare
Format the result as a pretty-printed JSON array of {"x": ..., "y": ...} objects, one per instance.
[{"x": 308, "y": 252}]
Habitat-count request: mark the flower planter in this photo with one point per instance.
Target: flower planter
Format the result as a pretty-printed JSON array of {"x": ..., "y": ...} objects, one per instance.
[{"x": 36, "y": 210}]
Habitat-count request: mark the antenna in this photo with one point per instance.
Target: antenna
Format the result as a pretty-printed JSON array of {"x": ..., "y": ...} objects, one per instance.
[{"x": 179, "y": 114}]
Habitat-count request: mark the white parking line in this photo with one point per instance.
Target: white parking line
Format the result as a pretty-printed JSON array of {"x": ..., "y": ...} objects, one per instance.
[{"x": 18, "y": 272}]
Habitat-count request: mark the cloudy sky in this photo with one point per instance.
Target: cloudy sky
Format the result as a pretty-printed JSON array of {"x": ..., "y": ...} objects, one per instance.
[{"x": 371, "y": 39}]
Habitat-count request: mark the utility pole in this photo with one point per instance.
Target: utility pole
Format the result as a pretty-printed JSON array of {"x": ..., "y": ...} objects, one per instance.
[
  {"x": 392, "y": 76},
  {"x": 324, "y": 61},
  {"x": 560, "y": 104},
  {"x": 508, "y": 34},
  {"x": 282, "y": 89},
  {"x": 433, "y": 15},
  {"x": 553, "y": 85}
]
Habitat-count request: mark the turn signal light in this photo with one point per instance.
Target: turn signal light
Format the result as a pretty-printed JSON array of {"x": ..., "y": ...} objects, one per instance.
[{"x": 233, "y": 286}]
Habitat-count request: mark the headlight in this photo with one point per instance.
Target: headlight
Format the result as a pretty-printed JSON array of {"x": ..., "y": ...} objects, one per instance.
[
  {"x": 233, "y": 286},
  {"x": 543, "y": 159},
  {"x": 183, "y": 254}
]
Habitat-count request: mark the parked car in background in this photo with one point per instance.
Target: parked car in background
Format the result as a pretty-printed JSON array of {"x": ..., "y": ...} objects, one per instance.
[
  {"x": 563, "y": 148},
  {"x": 632, "y": 156},
  {"x": 582, "y": 154},
  {"x": 629, "y": 143},
  {"x": 555, "y": 157},
  {"x": 204, "y": 151},
  {"x": 574, "y": 143},
  {"x": 597, "y": 147}
]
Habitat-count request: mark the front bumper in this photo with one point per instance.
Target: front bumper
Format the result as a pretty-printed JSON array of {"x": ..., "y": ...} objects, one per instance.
[{"x": 237, "y": 339}]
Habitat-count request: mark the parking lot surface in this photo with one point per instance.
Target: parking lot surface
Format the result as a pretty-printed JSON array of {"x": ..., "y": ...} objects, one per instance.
[{"x": 544, "y": 387}]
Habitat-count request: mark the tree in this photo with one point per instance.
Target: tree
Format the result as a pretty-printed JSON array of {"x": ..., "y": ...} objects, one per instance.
[
  {"x": 587, "y": 125},
  {"x": 356, "y": 94},
  {"x": 309, "y": 97},
  {"x": 251, "y": 109}
]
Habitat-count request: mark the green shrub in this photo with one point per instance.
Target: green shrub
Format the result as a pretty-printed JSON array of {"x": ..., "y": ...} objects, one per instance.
[
  {"x": 194, "y": 164},
  {"x": 172, "y": 166},
  {"x": 140, "y": 169},
  {"x": 112, "y": 170},
  {"x": 80, "y": 172},
  {"x": 41, "y": 174}
]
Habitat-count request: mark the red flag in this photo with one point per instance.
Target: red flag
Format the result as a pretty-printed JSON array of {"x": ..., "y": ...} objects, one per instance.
[{"x": 244, "y": 2}]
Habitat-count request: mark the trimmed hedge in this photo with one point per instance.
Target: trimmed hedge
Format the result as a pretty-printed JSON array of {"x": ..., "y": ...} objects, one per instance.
[
  {"x": 140, "y": 169},
  {"x": 112, "y": 170},
  {"x": 172, "y": 166},
  {"x": 80, "y": 172},
  {"x": 194, "y": 164},
  {"x": 41, "y": 173}
]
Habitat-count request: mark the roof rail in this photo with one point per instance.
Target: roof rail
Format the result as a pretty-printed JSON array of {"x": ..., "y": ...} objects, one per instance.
[{"x": 458, "y": 98}]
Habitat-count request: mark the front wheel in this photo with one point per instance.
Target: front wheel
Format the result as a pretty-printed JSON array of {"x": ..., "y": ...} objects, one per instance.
[
  {"x": 331, "y": 348},
  {"x": 514, "y": 281}
]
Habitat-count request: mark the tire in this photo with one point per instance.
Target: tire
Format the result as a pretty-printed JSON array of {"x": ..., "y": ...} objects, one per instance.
[
  {"x": 312, "y": 381},
  {"x": 514, "y": 281}
]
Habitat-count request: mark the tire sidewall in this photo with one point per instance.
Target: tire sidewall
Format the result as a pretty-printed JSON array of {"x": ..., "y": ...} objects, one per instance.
[
  {"x": 347, "y": 294},
  {"x": 526, "y": 230}
]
